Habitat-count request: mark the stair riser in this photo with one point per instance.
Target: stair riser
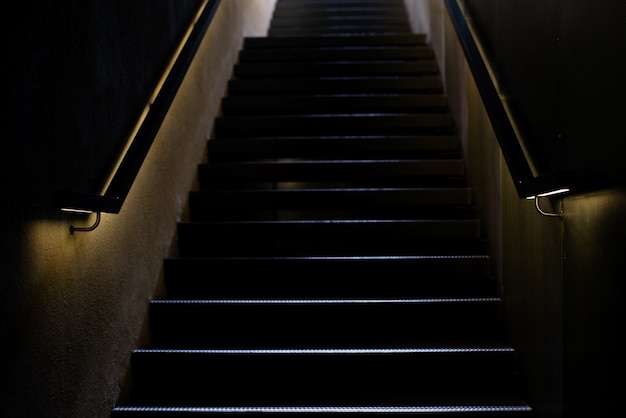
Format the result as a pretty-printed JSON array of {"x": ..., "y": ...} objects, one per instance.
[
  {"x": 302, "y": 105},
  {"x": 336, "y": 11},
  {"x": 344, "y": 54},
  {"x": 337, "y": 7},
  {"x": 324, "y": 248},
  {"x": 330, "y": 69},
  {"x": 230, "y": 127},
  {"x": 200, "y": 214},
  {"x": 203, "y": 285},
  {"x": 340, "y": 30},
  {"x": 323, "y": 21},
  {"x": 253, "y": 149},
  {"x": 197, "y": 246},
  {"x": 314, "y": 230},
  {"x": 320, "y": 171},
  {"x": 342, "y": 3},
  {"x": 412, "y": 84},
  {"x": 302, "y": 368},
  {"x": 321, "y": 379},
  {"x": 327, "y": 277},
  {"x": 318, "y": 325},
  {"x": 334, "y": 41},
  {"x": 334, "y": 7},
  {"x": 328, "y": 199}
]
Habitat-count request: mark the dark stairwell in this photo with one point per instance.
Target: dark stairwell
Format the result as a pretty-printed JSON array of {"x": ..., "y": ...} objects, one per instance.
[{"x": 333, "y": 261}]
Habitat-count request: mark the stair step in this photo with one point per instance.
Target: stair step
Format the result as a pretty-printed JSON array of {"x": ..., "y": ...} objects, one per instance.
[
  {"x": 338, "y": 11},
  {"x": 237, "y": 149},
  {"x": 337, "y": 230},
  {"x": 329, "y": 19},
  {"x": 339, "y": 3},
  {"x": 323, "y": 376},
  {"x": 365, "y": 124},
  {"x": 327, "y": 170},
  {"x": 391, "y": 85},
  {"x": 339, "y": 237},
  {"x": 202, "y": 211},
  {"x": 324, "y": 4},
  {"x": 332, "y": 104},
  {"x": 322, "y": 323},
  {"x": 327, "y": 236},
  {"x": 330, "y": 54},
  {"x": 338, "y": 203},
  {"x": 408, "y": 39},
  {"x": 333, "y": 198},
  {"x": 328, "y": 277},
  {"x": 340, "y": 30},
  {"x": 335, "y": 69},
  {"x": 337, "y": 8}
]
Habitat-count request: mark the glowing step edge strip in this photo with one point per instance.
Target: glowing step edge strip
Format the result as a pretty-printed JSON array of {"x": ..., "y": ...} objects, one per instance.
[
  {"x": 331, "y": 350},
  {"x": 333, "y": 409},
  {"x": 322, "y": 301}
]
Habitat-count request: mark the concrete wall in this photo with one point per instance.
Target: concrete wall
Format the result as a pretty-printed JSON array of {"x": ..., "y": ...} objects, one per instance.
[
  {"x": 561, "y": 280},
  {"x": 73, "y": 306}
]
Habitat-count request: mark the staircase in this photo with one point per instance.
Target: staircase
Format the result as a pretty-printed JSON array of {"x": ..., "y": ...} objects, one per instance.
[{"x": 332, "y": 261}]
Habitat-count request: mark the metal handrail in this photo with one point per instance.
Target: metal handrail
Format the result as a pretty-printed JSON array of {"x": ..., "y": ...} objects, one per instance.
[
  {"x": 526, "y": 183},
  {"x": 124, "y": 174}
]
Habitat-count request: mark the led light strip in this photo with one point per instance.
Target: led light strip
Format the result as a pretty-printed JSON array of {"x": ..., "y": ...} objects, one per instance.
[
  {"x": 451, "y": 350},
  {"x": 320, "y": 301},
  {"x": 336, "y": 409},
  {"x": 365, "y": 257}
]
